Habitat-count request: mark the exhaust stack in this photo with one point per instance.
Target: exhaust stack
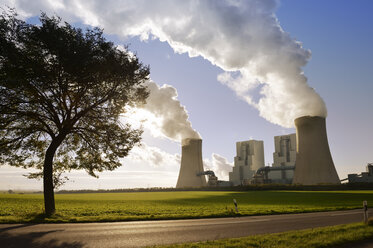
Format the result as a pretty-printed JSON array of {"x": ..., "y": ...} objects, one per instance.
[
  {"x": 314, "y": 163},
  {"x": 191, "y": 164}
]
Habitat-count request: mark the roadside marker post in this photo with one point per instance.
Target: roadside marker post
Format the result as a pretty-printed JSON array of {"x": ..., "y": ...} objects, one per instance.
[
  {"x": 365, "y": 208},
  {"x": 235, "y": 204}
]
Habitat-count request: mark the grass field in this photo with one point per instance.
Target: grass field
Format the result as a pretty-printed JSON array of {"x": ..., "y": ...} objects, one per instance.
[
  {"x": 92, "y": 207},
  {"x": 335, "y": 236}
]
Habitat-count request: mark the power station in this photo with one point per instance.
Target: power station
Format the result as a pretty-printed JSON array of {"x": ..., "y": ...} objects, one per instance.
[
  {"x": 314, "y": 163},
  {"x": 191, "y": 168},
  {"x": 285, "y": 150},
  {"x": 250, "y": 157},
  {"x": 300, "y": 158},
  {"x": 282, "y": 169}
]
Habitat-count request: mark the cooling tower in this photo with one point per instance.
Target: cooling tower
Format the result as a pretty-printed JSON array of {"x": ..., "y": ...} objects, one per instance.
[
  {"x": 191, "y": 164},
  {"x": 314, "y": 163}
]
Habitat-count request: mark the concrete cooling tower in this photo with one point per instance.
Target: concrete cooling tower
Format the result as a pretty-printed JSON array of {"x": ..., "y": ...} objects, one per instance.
[
  {"x": 191, "y": 164},
  {"x": 314, "y": 163}
]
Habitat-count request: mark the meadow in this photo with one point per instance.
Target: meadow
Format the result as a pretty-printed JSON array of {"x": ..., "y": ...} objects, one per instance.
[
  {"x": 95, "y": 207},
  {"x": 351, "y": 235}
]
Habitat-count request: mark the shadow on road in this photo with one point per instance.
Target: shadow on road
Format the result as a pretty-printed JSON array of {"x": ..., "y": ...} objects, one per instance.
[{"x": 32, "y": 239}]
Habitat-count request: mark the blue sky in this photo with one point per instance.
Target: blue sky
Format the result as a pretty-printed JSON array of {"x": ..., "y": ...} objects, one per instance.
[{"x": 338, "y": 33}]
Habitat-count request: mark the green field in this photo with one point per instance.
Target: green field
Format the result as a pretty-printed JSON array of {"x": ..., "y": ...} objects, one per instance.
[
  {"x": 90, "y": 207},
  {"x": 334, "y": 236}
]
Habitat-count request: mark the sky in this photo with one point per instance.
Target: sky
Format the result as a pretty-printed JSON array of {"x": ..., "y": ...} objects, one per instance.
[{"x": 230, "y": 71}]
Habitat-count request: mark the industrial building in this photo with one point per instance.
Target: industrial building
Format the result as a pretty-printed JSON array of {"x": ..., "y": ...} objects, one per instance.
[
  {"x": 364, "y": 177},
  {"x": 314, "y": 164},
  {"x": 275, "y": 174},
  {"x": 250, "y": 157},
  {"x": 285, "y": 150},
  {"x": 282, "y": 170},
  {"x": 301, "y": 158},
  {"x": 192, "y": 173},
  {"x": 191, "y": 168},
  {"x": 213, "y": 180}
]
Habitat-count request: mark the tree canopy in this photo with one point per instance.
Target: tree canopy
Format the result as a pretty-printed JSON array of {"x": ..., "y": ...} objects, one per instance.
[{"x": 62, "y": 93}]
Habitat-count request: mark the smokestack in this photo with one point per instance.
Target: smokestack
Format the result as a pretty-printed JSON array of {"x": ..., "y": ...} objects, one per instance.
[
  {"x": 191, "y": 164},
  {"x": 314, "y": 163}
]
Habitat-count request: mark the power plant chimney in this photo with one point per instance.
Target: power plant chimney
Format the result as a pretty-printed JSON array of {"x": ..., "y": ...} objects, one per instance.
[
  {"x": 314, "y": 163},
  {"x": 191, "y": 164}
]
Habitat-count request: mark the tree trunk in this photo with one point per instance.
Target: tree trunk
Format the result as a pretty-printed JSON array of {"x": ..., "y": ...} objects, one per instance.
[
  {"x": 49, "y": 204},
  {"x": 48, "y": 180}
]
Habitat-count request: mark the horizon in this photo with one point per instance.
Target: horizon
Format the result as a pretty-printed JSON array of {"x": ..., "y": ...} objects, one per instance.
[{"x": 336, "y": 32}]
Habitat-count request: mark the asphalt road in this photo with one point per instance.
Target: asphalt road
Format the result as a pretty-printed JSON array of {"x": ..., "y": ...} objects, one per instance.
[{"x": 145, "y": 233}]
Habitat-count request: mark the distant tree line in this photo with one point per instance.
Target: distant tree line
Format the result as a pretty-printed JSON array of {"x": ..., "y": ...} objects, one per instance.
[{"x": 258, "y": 187}]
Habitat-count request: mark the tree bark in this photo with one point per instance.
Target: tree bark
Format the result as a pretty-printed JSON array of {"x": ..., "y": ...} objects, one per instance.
[{"x": 49, "y": 204}]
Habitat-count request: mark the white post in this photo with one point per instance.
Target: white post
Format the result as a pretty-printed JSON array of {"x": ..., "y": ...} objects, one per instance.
[
  {"x": 235, "y": 204},
  {"x": 365, "y": 208}
]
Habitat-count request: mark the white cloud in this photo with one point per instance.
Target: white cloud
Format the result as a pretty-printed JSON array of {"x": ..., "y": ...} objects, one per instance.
[
  {"x": 153, "y": 156},
  {"x": 236, "y": 35},
  {"x": 163, "y": 115},
  {"x": 220, "y": 165}
]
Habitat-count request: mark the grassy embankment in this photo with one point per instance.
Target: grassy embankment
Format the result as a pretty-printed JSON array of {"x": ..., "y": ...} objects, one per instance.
[
  {"x": 335, "y": 236},
  {"x": 92, "y": 207}
]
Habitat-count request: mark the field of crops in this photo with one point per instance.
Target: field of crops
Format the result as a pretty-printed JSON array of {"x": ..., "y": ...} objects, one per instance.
[{"x": 91, "y": 207}]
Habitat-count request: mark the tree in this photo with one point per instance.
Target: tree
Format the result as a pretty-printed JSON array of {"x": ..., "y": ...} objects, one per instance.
[{"x": 62, "y": 93}]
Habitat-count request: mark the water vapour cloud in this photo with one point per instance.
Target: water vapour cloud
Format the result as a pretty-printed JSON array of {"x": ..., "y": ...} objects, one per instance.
[
  {"x": 174, "y": 119},
  {"x": 163, "y": 114},
  {"x": 153, "y": 156},
  {"x": 220, "y": 165},
  {"x": 242, "y": 37}
]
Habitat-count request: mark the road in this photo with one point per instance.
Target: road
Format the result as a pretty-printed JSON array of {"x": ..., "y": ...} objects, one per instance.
[{"x": 145, "y": 233}]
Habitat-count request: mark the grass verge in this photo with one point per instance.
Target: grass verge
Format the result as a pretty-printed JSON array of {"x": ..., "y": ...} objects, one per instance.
[
  {"x": 334, "y": 236},
  {"x": 100, "y": 207}
]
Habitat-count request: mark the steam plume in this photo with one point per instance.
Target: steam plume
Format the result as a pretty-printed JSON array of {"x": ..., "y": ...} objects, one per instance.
[
  {"x": 153, "y": 156},
  {"x": 163, "y": 115},
  {"x": 242, "y": 37},
  {"x": 173, "y": 117}
]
